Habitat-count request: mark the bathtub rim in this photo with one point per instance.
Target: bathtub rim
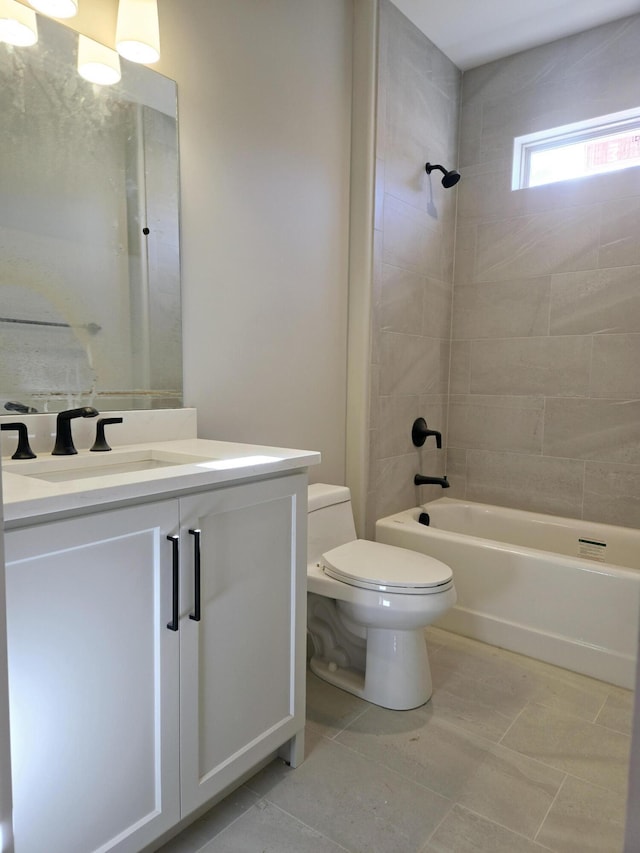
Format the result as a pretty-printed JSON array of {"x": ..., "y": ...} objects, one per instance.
[{"x": 603, "y": 567}]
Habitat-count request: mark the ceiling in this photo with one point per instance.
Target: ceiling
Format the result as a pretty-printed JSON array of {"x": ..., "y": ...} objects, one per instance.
[{"x": 472, "y": 32}]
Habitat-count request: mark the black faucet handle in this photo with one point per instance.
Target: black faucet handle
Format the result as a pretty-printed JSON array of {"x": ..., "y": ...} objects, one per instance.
[
  {"x": 100, "y": 444},
  {"x": 23, "y": 450},
  {"x": 420, "y": 432}
]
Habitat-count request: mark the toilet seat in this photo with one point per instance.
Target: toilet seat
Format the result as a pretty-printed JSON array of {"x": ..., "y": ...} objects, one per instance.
[{"x": 386, "y": 568}]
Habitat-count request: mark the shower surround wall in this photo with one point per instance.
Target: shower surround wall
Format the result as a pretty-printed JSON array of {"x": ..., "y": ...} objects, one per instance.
[
  {"x": 417, "y": 118},
  {"x": 544, "y": 410}
]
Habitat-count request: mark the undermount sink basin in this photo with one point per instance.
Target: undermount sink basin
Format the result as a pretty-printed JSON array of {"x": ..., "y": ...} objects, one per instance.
[{"x": 64, "y": 469}]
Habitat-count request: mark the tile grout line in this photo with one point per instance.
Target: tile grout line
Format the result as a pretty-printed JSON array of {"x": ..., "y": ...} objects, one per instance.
[
  {"x": 512, "y": 724},
  {"x": 542, "y": 822},
  {"x": 349, "y": 724},
  {"x": 507, "y": 828},
  {"x": 293, "y": 817},
  {"x": 600, "y": 710},
  {"x": 439, "y": 824}
]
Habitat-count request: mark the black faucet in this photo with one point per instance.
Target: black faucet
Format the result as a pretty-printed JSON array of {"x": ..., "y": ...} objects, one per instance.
[
  {"x": 420, "y": 433},
  {"x": 421, "y": 480},
  {"x": 64, "y": 441}
]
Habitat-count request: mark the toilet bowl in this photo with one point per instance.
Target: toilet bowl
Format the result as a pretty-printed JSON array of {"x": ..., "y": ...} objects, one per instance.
[{"x": 368, "y": 605}]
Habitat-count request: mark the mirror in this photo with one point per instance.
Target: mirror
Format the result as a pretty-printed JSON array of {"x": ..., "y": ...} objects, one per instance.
[{"x": 89, "y": 233}]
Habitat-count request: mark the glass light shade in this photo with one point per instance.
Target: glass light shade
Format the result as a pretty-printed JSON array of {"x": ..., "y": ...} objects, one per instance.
[
  {"x": 56, "y": 8},
  {"x": 97, "y": 63},
  {"x": 17, "y": 24},
  {"x": 138, "y": 31}
]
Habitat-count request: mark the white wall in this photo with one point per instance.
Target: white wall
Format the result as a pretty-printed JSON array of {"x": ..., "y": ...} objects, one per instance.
[
  {"x": 264, "y": 92},
  {"x": 264, "y": 99}
]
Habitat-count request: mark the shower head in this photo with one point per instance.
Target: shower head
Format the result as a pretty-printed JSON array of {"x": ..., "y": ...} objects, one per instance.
[{"x": 450, "y": 178}]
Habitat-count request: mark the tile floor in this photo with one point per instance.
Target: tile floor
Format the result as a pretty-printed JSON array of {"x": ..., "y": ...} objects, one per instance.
[{"x": 510, "y": 756}]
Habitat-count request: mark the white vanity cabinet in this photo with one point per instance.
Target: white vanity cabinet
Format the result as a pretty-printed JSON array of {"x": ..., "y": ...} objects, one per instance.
[
  {"x": 120, "y": 724},
  {"x": 242, "y": 664}
]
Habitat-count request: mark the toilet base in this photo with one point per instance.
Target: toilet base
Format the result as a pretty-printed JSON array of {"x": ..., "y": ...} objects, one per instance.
[{"x": 397, "y": 673}]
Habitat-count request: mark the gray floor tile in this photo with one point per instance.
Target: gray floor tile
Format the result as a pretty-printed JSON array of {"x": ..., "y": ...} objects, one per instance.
[
  {"x": 617, "y": 712},
  {"x": 194, "y": 837},
  {"x": 356, "y": 802},
  {"x": 267, "y": 829},
  {"x": 463, "y": 831},
  {"x": 434, "y": 779},
  {"x": 469, "y": 714},
  {"x": 426, "y": 750},
  {"x": 586, "y": 750},
  {"x": 510, "y": 681},
  {"x": 584, "y": 819},
  {"x": 512, "y": 790},
  {"x": 330, "y": 710}
]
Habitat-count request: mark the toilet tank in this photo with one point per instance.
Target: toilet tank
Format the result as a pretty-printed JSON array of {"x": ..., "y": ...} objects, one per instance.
[{"x": 330, "y": 519}]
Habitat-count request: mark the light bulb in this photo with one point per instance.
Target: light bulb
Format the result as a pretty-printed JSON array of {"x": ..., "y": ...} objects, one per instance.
[
  {"x": 56, "y": 8},
  {"x": 97, "y": 63},
  {"x": 137, "y": 31},
  {"x": 17, "y": 24}
]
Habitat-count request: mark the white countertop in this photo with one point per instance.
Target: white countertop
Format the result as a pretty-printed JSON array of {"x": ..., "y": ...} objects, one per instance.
[{"x": 28, "y": 499}]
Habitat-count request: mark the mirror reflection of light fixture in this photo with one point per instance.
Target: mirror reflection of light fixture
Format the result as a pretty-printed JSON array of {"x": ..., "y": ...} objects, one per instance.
[
  {"x": 56, "y": 8},
  {"x": 97, "y": 63},
  {"x": 17, "y": 24},
  {"x": 137, "y": 31}
]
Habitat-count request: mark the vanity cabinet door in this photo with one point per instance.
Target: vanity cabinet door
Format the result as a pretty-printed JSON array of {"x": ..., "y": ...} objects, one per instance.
[
  {"x": 93, "y": 680},
  {"x": 242, "y": 664}
]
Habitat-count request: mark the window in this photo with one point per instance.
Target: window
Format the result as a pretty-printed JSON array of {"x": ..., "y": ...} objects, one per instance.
[{"x": 603, "y": 144}]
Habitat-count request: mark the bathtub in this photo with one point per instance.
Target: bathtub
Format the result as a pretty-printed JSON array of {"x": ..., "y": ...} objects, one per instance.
[{"x": 558, "y": 589}]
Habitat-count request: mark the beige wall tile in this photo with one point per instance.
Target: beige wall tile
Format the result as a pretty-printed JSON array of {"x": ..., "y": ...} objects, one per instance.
[
  {"x": 411, "y": 364},
  {"x": 612, "y": 493},
  {"x": 556, "y": 241},
  {"x": 551, "y": 366},
  {"x": 536, "y": 483},
  {"x": 460, "y": 377},
  {"x": 515, "y": 308},
  {"x": 512, "y": 424},
  {"x": 397, "y": 415},
  {"x": 394, "y": 486},
  {"x": 436, "y": 312},
  {"x": 595, "y": 301},
  {"x": 619, "y": 243},
  {"x": 615, "y": 366},
  {"x": 601, "y": 430},
  {"x": 402, "y": 298}
]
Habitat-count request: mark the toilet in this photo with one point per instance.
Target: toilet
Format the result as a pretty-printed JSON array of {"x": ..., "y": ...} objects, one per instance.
[{"x": 367, "y": 606}]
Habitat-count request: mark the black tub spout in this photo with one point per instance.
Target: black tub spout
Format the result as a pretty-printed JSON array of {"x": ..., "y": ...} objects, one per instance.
[{"x": 421, "y": 480}]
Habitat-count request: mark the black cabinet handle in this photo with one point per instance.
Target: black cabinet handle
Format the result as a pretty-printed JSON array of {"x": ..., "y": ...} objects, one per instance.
[
  {"x": 175, "y": 541},
  {"x": 196, "y": 572}
]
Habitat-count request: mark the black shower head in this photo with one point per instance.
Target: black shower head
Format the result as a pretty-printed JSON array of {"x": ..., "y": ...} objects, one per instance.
[{"x": 450, "y": 179}]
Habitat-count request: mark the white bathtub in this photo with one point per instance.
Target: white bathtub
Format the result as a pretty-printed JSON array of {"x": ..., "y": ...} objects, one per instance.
[{"x": 558, "y": 589}]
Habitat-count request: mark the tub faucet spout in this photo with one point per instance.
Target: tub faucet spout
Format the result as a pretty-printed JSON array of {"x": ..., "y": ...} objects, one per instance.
[
  {"x": 64, "y": 441},
  {"x": 421, "y": 480}
]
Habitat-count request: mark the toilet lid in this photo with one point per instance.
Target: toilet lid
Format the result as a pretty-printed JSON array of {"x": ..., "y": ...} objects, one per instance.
[{"x": 386, "y": 568}]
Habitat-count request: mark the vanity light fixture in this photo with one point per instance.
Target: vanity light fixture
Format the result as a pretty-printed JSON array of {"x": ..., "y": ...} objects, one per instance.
[
  {"x": 17, "y": 24},
  {"x": 137, "y": 31},
  {"x": 56, "y": 8},
  {"x": 97, "y": 63}
]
